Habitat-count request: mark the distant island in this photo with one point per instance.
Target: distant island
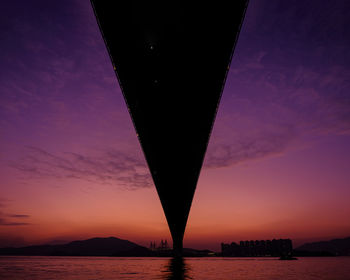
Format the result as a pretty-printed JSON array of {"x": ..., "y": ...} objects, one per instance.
[
  {"x": 110, "y": 246},
  {"x": 334, "y": 247}
]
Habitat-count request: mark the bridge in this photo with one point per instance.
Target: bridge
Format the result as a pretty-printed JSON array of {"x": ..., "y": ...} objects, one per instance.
[{"x": 171, "y": 59}]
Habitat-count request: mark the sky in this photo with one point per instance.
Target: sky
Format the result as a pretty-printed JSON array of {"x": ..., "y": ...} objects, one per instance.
[{"x": 277, "y": 164}]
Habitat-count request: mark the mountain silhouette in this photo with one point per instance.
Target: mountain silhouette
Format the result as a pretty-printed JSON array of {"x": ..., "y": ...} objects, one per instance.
[
  {"x": 110, "y": 246},
  {"x": 336, "y": 247}
]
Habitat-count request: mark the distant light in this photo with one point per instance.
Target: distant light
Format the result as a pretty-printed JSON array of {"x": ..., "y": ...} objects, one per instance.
[{"x": 151, "y": 47}]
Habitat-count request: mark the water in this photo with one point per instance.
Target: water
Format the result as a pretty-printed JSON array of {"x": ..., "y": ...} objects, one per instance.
[{"x": 86, "y": 268}]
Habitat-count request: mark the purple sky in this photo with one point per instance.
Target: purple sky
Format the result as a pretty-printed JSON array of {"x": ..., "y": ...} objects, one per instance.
[{"x": 278, "y": 160}]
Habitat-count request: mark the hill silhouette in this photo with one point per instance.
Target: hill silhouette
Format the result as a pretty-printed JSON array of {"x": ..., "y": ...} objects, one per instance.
[
  {"x": 110, "y": 246},
  {"x": 336, "y": 247}
]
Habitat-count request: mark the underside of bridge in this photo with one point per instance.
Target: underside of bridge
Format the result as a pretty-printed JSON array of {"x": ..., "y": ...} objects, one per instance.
[{"x": 171, "y": 59}]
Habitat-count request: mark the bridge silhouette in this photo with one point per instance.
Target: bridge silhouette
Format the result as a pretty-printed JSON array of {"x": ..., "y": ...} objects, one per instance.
[{"x": 171, "y": 59}]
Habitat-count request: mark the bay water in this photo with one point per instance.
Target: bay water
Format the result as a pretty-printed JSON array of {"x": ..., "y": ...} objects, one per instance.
[{"x": 94, "y": 268}]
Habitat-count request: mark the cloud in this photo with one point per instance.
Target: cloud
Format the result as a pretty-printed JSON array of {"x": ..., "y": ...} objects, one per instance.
[
  {"x": 4, "y": 222},
  {"x": 22, "y": 216},
  {"x": 264, "y": 112},
  {"x": 53, "y": 71},
  {"x": 285, "y": 81},
  {"x": 110, "y": 167},
  {"x": 129, "y": 170},
  {"x": 249, "y": 147},
  {"x": 12, "y": 219}
]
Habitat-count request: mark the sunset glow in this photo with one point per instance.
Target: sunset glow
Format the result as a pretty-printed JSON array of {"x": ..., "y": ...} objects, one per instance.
[{"x": 277, "y": 165}]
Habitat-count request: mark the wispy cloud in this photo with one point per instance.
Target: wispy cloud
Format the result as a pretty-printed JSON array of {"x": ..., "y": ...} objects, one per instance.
[
  {"x": 285, "y": 81},
  {"x": 10, "y": 219},
  {"x": 248, "y": 147},
  {"x": 46, "y": 72},
  {"x": 21, "y": 216},
  {"x": 111, "y": 167},
  {"x": 130, "y": 171},
  {"x": 5, "y": 222}
]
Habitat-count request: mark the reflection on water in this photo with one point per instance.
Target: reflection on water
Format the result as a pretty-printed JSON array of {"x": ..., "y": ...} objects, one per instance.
[
  {"x": 177, "y": 269},
  {"x": 112, "y": 268}
]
